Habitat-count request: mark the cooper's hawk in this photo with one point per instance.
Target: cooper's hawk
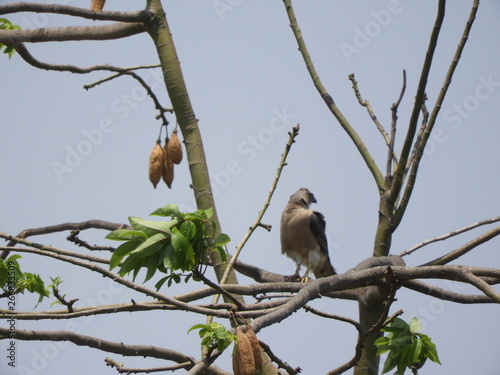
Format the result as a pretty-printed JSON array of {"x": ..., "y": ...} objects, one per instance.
[{"x": 303, "y": 236}]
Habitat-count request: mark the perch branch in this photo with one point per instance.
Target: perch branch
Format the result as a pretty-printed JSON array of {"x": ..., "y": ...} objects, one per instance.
[{"x": 125, "y": 370}]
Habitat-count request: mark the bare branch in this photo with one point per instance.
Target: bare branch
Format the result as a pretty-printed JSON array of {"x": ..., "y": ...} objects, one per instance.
[
  {"x": 419, "y": 98},
  {"x": 291, "y": 139},
  {"x": 444, "y": 294},
  {"x": 138, "y": 16},
  {"x": 365, "y": 154},
  {"x": 71, "y": 33},
  {"x": 289, "y": 369},
  {"x": 369, "y": 109},
  {"x": 465, "y": 248},
  {"x": 122, "y": 369},
  {"x": 394, "y": 109},
  {"x": 437, "y": 107},
  {"x": 97, "y": 343},
  {"x": 449, "y": 235}
]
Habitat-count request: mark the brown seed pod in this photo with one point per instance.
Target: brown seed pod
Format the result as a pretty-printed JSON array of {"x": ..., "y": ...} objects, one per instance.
[
  {"x": 243, "y": 358},
  {"x": 168, "y": 167},
  {"x": 175, "y": 148},
  {"x": 156, "y": 160},
  {"x": 254, "y": 342},
  {"x": 97, "y": 5}
]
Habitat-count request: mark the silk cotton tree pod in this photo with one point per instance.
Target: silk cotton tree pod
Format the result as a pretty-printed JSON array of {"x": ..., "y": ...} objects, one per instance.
[
  {"x": 174, "y": 148},
  {"x": 254, "y": 342},
  {"x": 156, "y": 162},
  {"x": 168, "y": 167},
  {"x": 243, "y": 357},
  {"x": 97, "y": 5}
]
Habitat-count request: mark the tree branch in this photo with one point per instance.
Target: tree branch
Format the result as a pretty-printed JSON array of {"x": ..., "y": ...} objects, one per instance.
[
  {"x": 444, "y": 294},
  {"x": 449, "y": 235},
  {"x": 365, "y": 154},
  {"x": 437, "y": 106},
  {"x": 455, "y": 254},
  {"x": 70, "y": 33},
  {"x": 394, "y": 109},
  {"x": 138, "y": 16},
  {"x": 97, "y": 343},
  {"x": 419, "y": 98}
]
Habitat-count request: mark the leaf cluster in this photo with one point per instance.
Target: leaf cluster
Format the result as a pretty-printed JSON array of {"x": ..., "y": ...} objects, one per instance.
[
  {"x": 407, "y": 347},
  {"x": 14, "y": 281},
  {"x": 167, "y": 246},
  {"x": 214, "y": 335},
  {"x": 5, "y": 24}
]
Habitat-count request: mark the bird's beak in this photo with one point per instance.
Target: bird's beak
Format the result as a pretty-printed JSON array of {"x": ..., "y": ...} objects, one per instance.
[{"x": 314, "y": 199}]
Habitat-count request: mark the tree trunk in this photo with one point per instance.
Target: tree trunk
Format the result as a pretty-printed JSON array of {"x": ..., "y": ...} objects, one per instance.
[{"x": 188, "y": 124}]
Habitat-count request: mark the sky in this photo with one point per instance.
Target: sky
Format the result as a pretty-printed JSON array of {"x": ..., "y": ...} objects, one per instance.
[{"x": 248, "y": 86}]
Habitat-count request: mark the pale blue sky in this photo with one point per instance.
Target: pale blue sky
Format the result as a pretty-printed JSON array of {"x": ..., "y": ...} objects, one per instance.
[{"x": 249, "y": 86}]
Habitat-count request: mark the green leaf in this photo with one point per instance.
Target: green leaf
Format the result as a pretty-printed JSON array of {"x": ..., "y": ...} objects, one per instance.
[
  {"x": 391, "y": 361},
  {"x": 222, "y": 239},
  {"x": 131, "y": 263},
  {"x": 414, "y": 325},
  {"x": 152, "y": 227},
  {"x": 431, "y": 351},
  {"x": 126, "y": 235},
  {"x": 184, "y": 249},
  {"x": 170, "y": 210},
  {"x": 198, "y": 326},
  {"x": 414, "y": 352},
  {"x": 151, "y": 263},
  {"x": 121, "y": 251},
  {"x": 188, "y": 229},
  {"x": 151, "y": 246},
  {"x": 160, "y": 283},
  {"x": 396, "y": 325}
]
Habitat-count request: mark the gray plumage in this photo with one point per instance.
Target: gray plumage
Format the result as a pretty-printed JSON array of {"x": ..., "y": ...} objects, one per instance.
[{"x": 303, "y": 236}]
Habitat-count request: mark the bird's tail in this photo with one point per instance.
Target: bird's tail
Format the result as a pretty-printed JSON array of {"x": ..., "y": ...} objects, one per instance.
[{"x": 325, "y": 270}]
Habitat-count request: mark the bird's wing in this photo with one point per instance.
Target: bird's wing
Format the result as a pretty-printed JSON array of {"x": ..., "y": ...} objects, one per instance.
[{"x": 318, "y": 228}]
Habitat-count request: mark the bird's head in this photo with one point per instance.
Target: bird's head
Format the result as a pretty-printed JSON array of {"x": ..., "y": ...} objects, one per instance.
[{"x": 304, "y": 197}]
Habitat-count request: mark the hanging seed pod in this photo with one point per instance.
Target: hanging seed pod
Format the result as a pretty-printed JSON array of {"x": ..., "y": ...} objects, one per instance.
[
  {"x": 97, "y": 5},
  {"x": 168, "y": 167},
  {"x": 243, "y": 358},
  {"x": 254, "y": 342},
  {"x": 156, "y": 161},
  {"x": 175, "y": 148}
]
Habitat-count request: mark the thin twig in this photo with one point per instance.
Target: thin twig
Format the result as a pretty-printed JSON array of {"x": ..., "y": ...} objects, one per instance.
[
  {"x": 122, "y": 369},
  {"x": 455, "y": 254},
  {"x": 292, "y": 135},
  {"x": 369, "y": 109},
  {"x": 73, "y": 237},
  {"x": 449, "y": 235},
  {"x": 432, "y": 119},
  {"x": 281, "y": 364},
  {"x": 365, "y": 154},
  {"x": 218, "y": 288},
  {"x": 391, "y": 157}
]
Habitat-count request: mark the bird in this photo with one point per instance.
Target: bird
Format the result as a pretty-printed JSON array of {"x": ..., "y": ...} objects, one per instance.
[
  {"x": 303, "y": 237},
  {"x": 97, "y": 5}
]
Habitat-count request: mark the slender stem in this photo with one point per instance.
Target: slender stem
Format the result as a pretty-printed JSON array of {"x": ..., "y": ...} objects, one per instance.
[
  {"x": 449, "y": 235},
  {"x": 365, "y": 154},
  {"x": 432, "y": 119},
  {"x": 419, "y": 98}
]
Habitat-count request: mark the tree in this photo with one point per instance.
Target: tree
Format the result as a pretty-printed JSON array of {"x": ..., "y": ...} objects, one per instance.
[{"x": 394, "y": 183}]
